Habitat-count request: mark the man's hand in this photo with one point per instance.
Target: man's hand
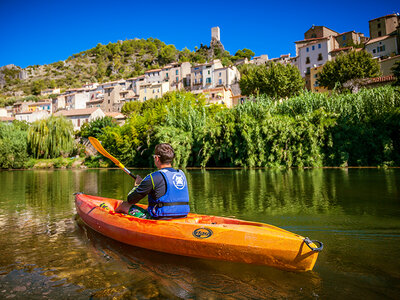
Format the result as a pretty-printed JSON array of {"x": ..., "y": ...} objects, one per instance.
[{"x": 138, "y": 180}]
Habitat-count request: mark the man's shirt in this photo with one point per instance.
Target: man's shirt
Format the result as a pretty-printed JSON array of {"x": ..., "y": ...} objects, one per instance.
[{"x": 153, "y": 184}]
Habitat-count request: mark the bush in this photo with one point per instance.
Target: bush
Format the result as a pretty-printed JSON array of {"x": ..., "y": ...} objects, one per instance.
[{"x": 13, "y": 147}]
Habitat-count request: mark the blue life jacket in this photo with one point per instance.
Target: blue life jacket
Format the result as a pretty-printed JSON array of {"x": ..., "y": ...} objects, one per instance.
[{"x": 175, "y": 202}]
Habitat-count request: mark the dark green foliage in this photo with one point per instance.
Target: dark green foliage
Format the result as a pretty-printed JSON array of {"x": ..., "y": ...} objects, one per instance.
[
  {"x": 309, "y": 130},
  {"x": 273, "y": 80},
  {"x": 352, "y": 65},
  {"x": 13, "y": 146},
  {"x": 96, "y": 127},
  {"x": 245, "y": 53}
]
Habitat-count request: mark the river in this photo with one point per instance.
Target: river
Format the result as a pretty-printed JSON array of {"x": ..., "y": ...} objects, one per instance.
[{"x": 46, "y": 252}]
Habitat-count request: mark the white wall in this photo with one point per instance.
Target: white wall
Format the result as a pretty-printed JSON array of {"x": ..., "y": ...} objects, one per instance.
[
  {"x": 389, "y": 45},
  {"x": 322, "y": 47}
]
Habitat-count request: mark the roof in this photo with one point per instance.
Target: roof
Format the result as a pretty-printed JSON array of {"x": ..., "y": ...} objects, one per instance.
[
  {"x": 386, "y": 78},
  {"x": 115, "y": 115},
  {"x": 312, "y": 27},
  {"x": 341, "y": 49},
  {"x": 154, "y": 70},
  {"x": 387, "y": 16},
  {"x": 378, "y": 39},
  {"x": 6, "y": 119},
  {"x": 313, "y": 39},
  {"x": 76, "y": 112},
  {"x": 235, "y": 88}
]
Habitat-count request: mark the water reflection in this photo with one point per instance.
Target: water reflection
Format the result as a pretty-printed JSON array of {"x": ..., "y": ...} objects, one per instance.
[{"x": 355, "y": 212}]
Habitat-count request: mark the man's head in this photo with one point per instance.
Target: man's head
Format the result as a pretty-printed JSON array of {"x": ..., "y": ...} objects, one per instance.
[{"x": 164, "y": 153}]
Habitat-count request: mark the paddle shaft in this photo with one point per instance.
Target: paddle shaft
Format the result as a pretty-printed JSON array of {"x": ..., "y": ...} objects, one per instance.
[{"x": 97, "y": 145}]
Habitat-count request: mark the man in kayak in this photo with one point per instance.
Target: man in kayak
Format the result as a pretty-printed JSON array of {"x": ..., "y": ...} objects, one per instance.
[{"x": 166, "y": 189}]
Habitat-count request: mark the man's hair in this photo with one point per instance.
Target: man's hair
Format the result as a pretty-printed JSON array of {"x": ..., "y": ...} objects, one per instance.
[{"x": 165, "y": 152}]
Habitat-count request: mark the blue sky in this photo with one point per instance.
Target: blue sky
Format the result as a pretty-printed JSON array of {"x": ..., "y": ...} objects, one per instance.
[{"x": 42, "y": 32}]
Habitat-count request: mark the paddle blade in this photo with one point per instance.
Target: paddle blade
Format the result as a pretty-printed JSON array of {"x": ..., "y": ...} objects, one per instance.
[{"x": 96, "y": 144}]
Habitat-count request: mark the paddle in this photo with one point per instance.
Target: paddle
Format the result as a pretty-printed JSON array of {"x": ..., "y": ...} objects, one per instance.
[{"x": 96, "y": 143}]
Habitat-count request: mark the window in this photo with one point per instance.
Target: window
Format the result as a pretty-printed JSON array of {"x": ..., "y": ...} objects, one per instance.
[
  {"x": 220, "y": 81},
  {"x": 379, "y": 25},
  {"x": 313, "y": 35},
  {"x": 307, "y": 49},
  {"x": 176, "y": 72},
  {"x": 208, "y": 72},
  {"x": 308, "y": 71},
  {"x": 208, "y": 80},
  {"x": 177, "y": 79},
  {"x": 154, "y": 90},
  {"x": 307, "y": 60},
  {"x": 373, "y": 51},
  {"x": 195, "y": 81},
  {"x": 144, "y": 99},
  {"x": 220, "y": 74},
  {"x": 379, "y": 33},
  {"x": 313, "y": 48},
  {"x": 166, "y": 75},
  {"x": 344, "y": 38}
]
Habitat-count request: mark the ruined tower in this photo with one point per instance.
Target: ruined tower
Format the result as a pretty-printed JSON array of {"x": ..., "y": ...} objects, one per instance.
[{"x": 215, "y": 40}]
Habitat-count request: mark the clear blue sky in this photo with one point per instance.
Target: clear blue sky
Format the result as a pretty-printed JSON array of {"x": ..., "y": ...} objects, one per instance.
[{"x": 42, "y": 32}]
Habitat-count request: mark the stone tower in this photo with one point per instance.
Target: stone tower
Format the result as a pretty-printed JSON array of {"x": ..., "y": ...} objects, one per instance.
[
  {"x": 215, "y": 33},
  {"x": 215, "y": 40}
]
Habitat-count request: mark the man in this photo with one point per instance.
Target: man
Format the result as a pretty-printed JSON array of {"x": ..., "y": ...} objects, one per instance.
[{"x": 166, "y": 189}]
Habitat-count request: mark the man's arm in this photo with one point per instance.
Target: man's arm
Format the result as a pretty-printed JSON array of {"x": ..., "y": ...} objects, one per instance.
[{"x": 140, "y": 191}]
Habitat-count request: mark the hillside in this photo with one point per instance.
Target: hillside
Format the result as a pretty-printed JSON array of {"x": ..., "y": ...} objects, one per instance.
[{"x": 103, "y": 63}]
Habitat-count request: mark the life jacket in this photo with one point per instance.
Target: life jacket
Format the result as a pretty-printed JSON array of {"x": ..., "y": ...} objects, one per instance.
[{"x": 175, "y": 202}]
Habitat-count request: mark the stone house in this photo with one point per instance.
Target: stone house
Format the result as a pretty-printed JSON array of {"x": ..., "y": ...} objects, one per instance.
[
  {"x": 226, "y": 76},
  {"x": 81, "y": 116},
  {"x": 152, "y": 90},
  {"x": 350, "y": 38},
  {"x": 202, "y": 75},
  {"x": 177, "y": 75},
  {"x": 382, "y": 47},
  {"x": 32, "y": 116},
  {"x": 382, "y": 26}
]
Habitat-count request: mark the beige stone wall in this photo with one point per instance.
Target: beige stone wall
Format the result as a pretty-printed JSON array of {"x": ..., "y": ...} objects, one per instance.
[
  {"x": 314, "y": 85},
  {"x": 383, "y": 26},
  {"x": 318, "y": 32},
  {"x": 387, "y": 64}
]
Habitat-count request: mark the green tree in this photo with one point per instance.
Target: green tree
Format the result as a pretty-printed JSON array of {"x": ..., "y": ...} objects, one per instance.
[
  {"x": 38, "y": 86},
  {"x": 131, "y": 107},
  {"x": 274, "y": 80},
  {"x": 50, "y": 138},
  {"x": 96, "y": 127},
  {"x": 245, "y": 53},
  {"x": 13, "y": 146},
  {"x": 168, "y": 54},
  {"x": 347, "y": 66}
]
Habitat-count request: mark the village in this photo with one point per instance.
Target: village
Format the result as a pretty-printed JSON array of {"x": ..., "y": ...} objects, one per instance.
[{"x": 218, "y": 83}]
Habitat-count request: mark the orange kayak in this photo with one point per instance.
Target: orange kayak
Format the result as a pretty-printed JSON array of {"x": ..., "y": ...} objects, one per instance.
[{"x": 202, "y": 236}]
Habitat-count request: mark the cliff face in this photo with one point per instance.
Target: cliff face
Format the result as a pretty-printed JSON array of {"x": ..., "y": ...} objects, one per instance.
[{"x": 10, "y": 72}]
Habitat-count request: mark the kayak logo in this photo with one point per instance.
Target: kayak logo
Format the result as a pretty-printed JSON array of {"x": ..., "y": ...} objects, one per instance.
[
  {"x": 178, "y": 181},
  {"x": 202, "y": 233}
]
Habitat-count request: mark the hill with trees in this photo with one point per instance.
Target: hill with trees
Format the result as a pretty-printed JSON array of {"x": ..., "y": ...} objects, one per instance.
[{"x": 120, "y": 60}]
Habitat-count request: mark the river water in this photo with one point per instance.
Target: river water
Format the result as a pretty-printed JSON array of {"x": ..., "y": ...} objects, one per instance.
[{"x": 46, "y": 252}]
